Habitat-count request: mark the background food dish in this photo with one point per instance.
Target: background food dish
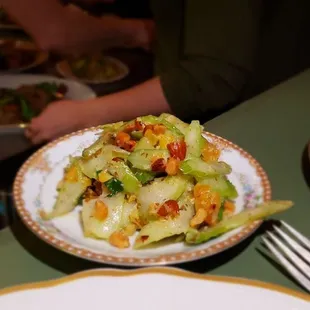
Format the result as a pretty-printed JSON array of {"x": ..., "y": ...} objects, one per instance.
[
  {"x": 12, "y": 139},
  {"x": 19, "y": 55},
  {"x": 94, "y": 69}
]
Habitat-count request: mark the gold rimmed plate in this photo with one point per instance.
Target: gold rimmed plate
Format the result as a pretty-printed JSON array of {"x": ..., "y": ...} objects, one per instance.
[
  {"x": 35, "y": 190},
  {"x": 128, "y": 290}
]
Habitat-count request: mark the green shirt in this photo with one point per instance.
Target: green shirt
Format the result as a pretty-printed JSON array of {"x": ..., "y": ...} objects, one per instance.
[{"x": 211, "y": 55}]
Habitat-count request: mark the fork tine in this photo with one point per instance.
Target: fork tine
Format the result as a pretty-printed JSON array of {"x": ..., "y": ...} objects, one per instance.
[
  {"x": 287, "y": 265},
  {"x": 294, "y": 245},
  {"x": 294, "y": 258},
  {"x": 305, "y": 241}
]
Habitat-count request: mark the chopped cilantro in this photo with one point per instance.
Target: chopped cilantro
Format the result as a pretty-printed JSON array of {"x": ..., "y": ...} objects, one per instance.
[{"x": 114, "y": 186}]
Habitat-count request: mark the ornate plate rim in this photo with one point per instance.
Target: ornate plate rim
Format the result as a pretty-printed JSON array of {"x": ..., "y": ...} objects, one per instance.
[
  {"x": 175, "y": 258},
  {"x": 170, "y": 271}
]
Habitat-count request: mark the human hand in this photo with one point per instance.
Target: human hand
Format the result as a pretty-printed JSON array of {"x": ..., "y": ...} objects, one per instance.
[{"x": 60, "y": 118}]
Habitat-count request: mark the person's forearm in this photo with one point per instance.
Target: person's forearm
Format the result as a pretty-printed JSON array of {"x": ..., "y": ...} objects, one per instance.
[
  {"x": 70, "y": 30},
  {"x": 144, "y": 99}
]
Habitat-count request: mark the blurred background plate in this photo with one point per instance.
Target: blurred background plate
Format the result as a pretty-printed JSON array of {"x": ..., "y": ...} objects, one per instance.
[
  {"x": 12, "y": 139},
  {"x": 63, "y": 68},
  {"x": 22, "y": 46}
]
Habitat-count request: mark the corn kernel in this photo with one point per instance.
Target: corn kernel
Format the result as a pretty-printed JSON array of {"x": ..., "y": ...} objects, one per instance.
[
  {"x": 150, "y": 135},
  {"x": 101, "y": 210},
  {"x": 104, "y": 176},
  {"x": 119, "y": 240},
  {"x": 172, "y": 166},
  {"x": 71, "y": 175},
  {"x": 130, "y": 229}
]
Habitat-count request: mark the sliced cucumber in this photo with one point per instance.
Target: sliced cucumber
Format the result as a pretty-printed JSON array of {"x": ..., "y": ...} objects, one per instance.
[
  {"x": 193, "y": 139},
  {"x": 95, "y": 228},
  {"x": 144, "y": 143},
  {"x": 159, "y": 191},
  {"x": 172, "y": 128},
  {"x": 143, "y": 159},
  {"x": 221, "y": 185},
  {"x": 243, "y": 218},
  {"x": 129, "y": 208},
  {"x": 180, "y": 125},
  {"x": 123, "y": 173},
  {"x": 92, "y": 149},
  {"x": 144, "y": 176},
  {"x": 98, "y": 161},
  {"x": 164, "y": 228},
  {"x": 200, "y": 169},
  {"x": 69, "y": 193}
]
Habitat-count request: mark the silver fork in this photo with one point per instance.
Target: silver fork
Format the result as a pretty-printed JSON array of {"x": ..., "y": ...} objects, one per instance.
[{"x": 294, "y": 256}]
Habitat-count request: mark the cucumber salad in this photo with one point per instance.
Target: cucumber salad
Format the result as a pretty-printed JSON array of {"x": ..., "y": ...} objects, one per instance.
[{"x": 153, "y": 178}]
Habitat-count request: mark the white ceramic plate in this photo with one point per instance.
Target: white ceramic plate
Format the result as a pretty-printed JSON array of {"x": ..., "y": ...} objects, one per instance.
[
  {"x": 40, "y": 56},
  {"x": 152, "y": 289},
  {"x": 12, "y": 139},
  {"x": 64, "y": 70},
  {"x": 35, "y": 189}
]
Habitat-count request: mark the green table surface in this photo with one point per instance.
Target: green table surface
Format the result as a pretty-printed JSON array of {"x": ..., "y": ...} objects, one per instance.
[{"x": 274, "y": 128}]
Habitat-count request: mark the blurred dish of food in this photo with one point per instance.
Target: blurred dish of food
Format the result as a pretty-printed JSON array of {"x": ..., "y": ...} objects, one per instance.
[
  {"x": 19, "y": 55},
  {"x": 94, "y": 69},
  {"x": 23, "y": 96},
  {"x": 28, "y": 100},
  {"x": 6, "y": 22}
]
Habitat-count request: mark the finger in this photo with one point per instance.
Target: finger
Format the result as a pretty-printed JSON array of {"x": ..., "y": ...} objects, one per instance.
[{"x": 38, "y": 139}]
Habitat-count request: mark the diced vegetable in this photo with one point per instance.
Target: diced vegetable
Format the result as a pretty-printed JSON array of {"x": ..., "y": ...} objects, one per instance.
[
  {"x": 243, "y": 218},
  {"x": 160, "y": 190},
  {"x": 193, "y": 140},
  {"x": 143, "y": 159},
  {"x": 221, "y": 212},
  {"x": 173, "y": 129},
  {"x": 114, "y": 186},
  {"x": 175, "y": 121},
  {"x": 99, "y": 160},
  {"x": 164, "y": 228},
  {"x": 200, "y": 169},
  {"x": 144, "y": 176},
  {"x": 129, "y": 209},
  {"x": 221, "y": 185},
  {"x": 112, "y": 127},
  {"x": 137, "y": 135},
  {"x": 102, "y": 229},
  {"x": 50, "y": 88},
  {"x": 144, "y": 143},
  {"x": 122, "y": 172},
  {"x": 26, "y": 110},
  {"x": 92, "y": 149}
]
